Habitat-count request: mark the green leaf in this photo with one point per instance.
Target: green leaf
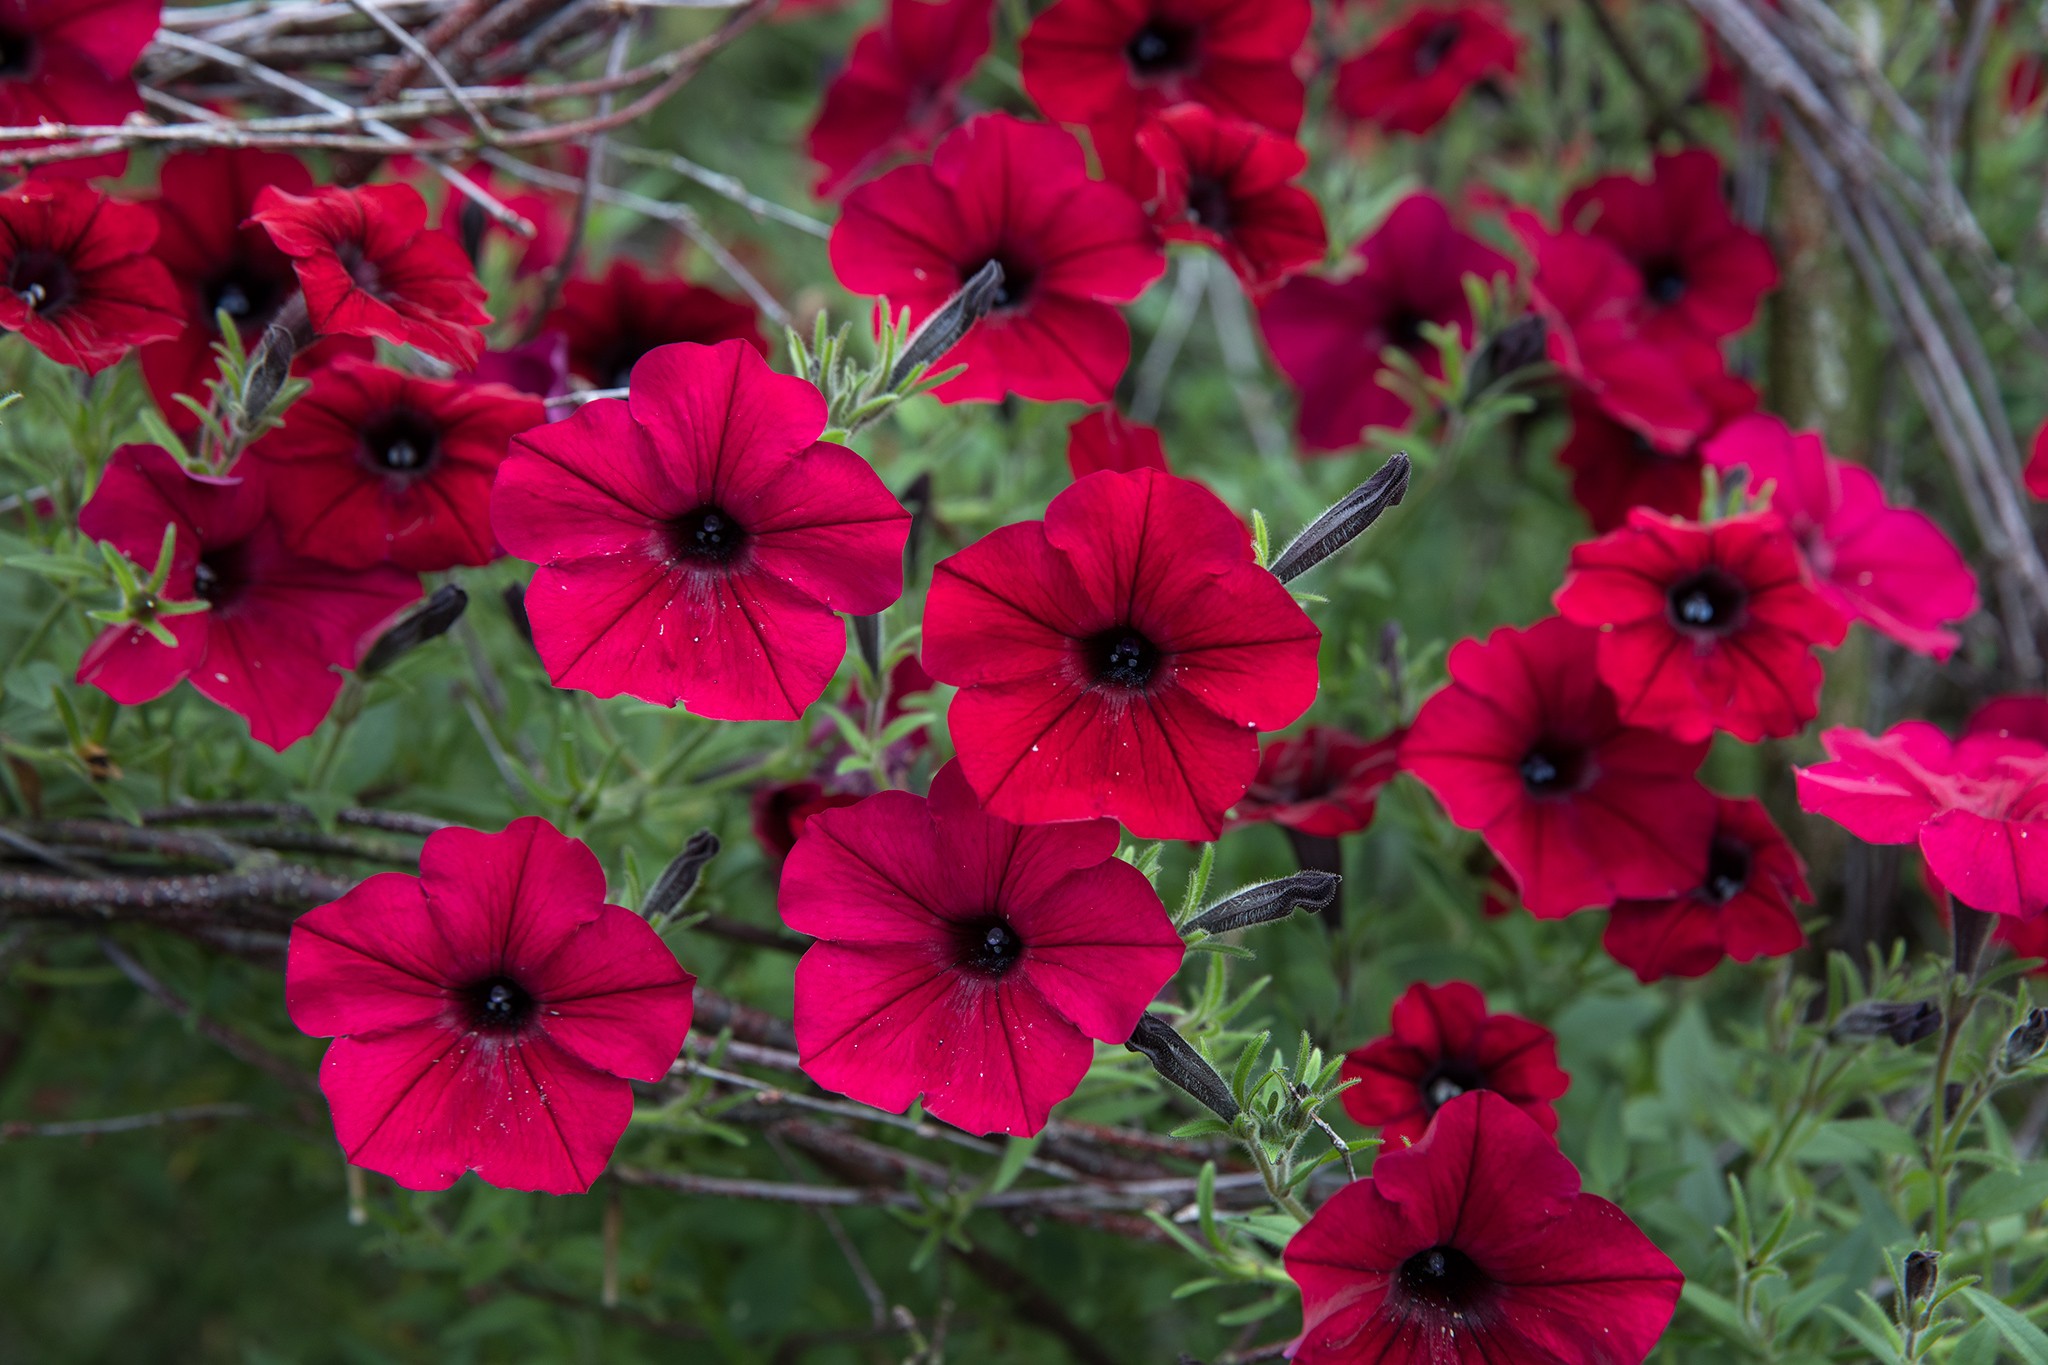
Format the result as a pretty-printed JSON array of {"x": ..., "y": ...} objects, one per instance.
[
  {"x": 2001, "y": 1194},
  {"x": 2029, "y": 1342}
]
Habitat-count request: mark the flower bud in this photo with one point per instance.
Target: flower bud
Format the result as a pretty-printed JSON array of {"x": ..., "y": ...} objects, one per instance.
[
  {"x": 1905, "y": 1023},
  {"x": 2027, "y": 1041},
  {"x": 917, "y": 500},
  {"x": 514, "y": 598},
  {"x": 1269, "y": 901},
  {"x": 679, "y": 878},
  {"x": 1515, "y": 347},
  {"x": 1922, "y": 1270},
  {"x": 1969, "y": 928},
  {"x": 431, "y": 618},
  {"x": 1339, "y": 526},
  {"x": 1175, "y": 1058},
  {"x": 942, "y": 331}
]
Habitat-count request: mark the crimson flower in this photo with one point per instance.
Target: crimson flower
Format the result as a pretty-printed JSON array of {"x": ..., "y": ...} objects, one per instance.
[
  {"x": 1889, "y": 567},
  {"x": 1415, "y": 73},
  {"x": 81, "y": 285},
  {"x": 369, "y": 268},
  {"x": 1117, "y": 658},
  {"x": 1224, "y": 183},
  {"x": 487, "y": 1014},
  {"x": 1327, "y": 336},
  {"x": 1000, "y": 189},
  {"x": 68, "y": 61},
  {"x": 1444, "y": 1044},
  {"x": 1106, "y": 439},
  {"x": 1321, "y": 782},
  {"x": 1703, "y": 627},
  {"x": 781, "y": 810},
  {"x": 1525, "y": 745},
  {"x": 1702, "y": 271},
  {"x": 612, "y": 322},
  {"x": 1476, "y": 1244},
  {"x": 696, "y": 539},
  {"x": 965, "y": 958},
  {"x": 1615, "y": 468},
  {"x": 1740, "y": 908},
  {"x": 277, "y": 624},
  {"x": 374, "y": 464},
  {"x": 900, "y": 89}
]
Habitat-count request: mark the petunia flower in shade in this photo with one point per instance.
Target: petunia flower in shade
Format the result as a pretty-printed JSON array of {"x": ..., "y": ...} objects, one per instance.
[
  {"x": 80, "y": 283},
  {"x": 1321, "y": 782},
  {"x": 488, "y": 1014},
  {"x": 1741, "y": 908},
  {"x": 1615, "y": 468},
  {"x": 1225, "y": 183},
  {"x": 900, "y": 90},
  {"x": 1524, "y": 745},
  {"x": 612, "y": 322},
  {"x": 965, "y": 958},
  {"x": 1106, "y": 439},
  {"x": 696, "y": 540},
  {"x": 1890, "y": 567},
  {"x": 69, "y": 61},
  {"x": 1445, "y": 1044},
  {"x": 1415, "y": 73},
  {"x": 1476, "y": 1244},
  {"x": 277, "y": 624},
  {"x": 539, "y": 367},
  {"x": 1000, "y": 189},
  {"x": 369, "y": 268},
  {"x": 375, "y": 465},
  {"x": 1703, "y": 272},
  {"x": 780, "y": 810},
  {"x": 1327, "y": 336},
  {"x": 549, "y": 211},
  {"x": 1703, "y": 627},
  {"x": 1117, "y": 658}
]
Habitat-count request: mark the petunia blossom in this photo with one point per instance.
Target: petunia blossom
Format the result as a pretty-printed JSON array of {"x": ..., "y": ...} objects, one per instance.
[
  {"x": 1615, "y": 468},
  {"x": 1227, "y": 184},
  {"x": 900, "y": 90},
  {"x": 1416, "y": 72},
  {"x": 1106, "y": 439},
  {"x": 965, "y": 958},
  {"x": 1741, "y": 908},
  {"x": 69, "y": 61},
  {"x": 1117, "y": 658},
  {"x": 488, "y": 1014},
  {"x": 1322, "y": 782},
  {"x": 779, "y": 812},
  {"x": 696, "y": 539},
  {"x": 1525, "y": 745},
  {"x": 612, "y": 321},
  {"x": 80, "y": 283},
  {"x": 1444, "y": 1043},
  {"x": 1477, "y": 1244}
]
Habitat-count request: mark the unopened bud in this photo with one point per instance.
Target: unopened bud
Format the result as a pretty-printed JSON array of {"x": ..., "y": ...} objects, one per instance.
[
  {"x": 1904, "y": 1023},
  {"x": 942, "y": 331},
  {"x": 1313, "y": 892},
  {"x": 2027, "y": 1041},
  {"x": 679, "y": 878},
  {"x": 1969, "y": 927},
  {"x": 1175, "y": 1058},
  {"x": 431, "y": 618},
  {"x": 867, "y": 637},
  {"x": 917, "y": 500},
  {"x": 470, "y": 222},
  {"x": 1515, "y": 347},
  {"x": 514, "y": 598},
  {"x": 1339, "y": 526},
  {"x": 1922, "y": 1269}
]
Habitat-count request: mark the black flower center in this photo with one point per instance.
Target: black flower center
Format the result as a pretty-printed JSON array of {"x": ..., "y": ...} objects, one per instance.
[
  {"x": 707, "y": 536},
  {"x": 1209, "y": 203},
  {"x": 220, "y": 577},
  {"x": 990, "y": 947},
  {"x": 1728, "y": 868},
  {"x": 402, "y": 443},
  {"x": 1442, "y": 1277},
  {"x": 1122, "y": 658},
  {"x": 1436, "y": 45},
  {"x": 17, "y": 55},
  {"x": 1552, "y": 769},
  {"x": 43, "y": 280},
  {"x": 245, "y": 297},
  {"x": 619, "y": 361},
  {"x": 1664, "y": 281},
  {"x": 1709, "y": 603},
  {"x": 1015, "y": 288},
  {"x": 1446, "y": 1081},
  {"x": 499, "y": 1005},
  {"x": 1161, "y": 48},
  {"x": 1404, "y": 329},
  {"x": 364, "y": 271}
]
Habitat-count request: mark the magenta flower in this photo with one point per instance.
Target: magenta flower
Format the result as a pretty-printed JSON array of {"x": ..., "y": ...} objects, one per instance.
[
  {"x": 1441, "y": 1043},
  {"x": 488, "y": 1013},
  {"x": 697, "y": 539},
  {"x": 964, "y": 958}
]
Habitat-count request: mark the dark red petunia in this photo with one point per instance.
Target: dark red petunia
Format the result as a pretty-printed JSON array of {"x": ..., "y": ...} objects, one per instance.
[
  {"x": 1327, "y": 336},
  {"x": 1615, "y": 468},
  {"x": 488, "y": 1014},
  {"x": 696, "y": 540},
  {"x": 900, "y": 90},
  {"x": 81, "y": 284},
  {"x": 1477, "y": 1245},
  {"x": 1226, "y": 184},
  {"x": 370, "y": 268},
  {"x": 1106, "y": 439},
  {"x": 69, "y": 61},
  {"x": 1703, "y": 273},
  {"x": 1741, "y": 908},
  {"x": 1525, "y": 746},
  {"x": 781, "y": 810},
  {"x": 548, "y": 210},
  {"x": 614, "y": 321},
  {"x": 277, "y": 625},
  {"x": 1444, "y": 1044},
  {"x": 1889, "y": 567},
  {"x": 1321, "y": 782},
  {"x": 539, "y": 367},
  {"x": 1703, "y": 627},
  {"x": 374, "y": 465},
  {"x": 1071, "y": 248},
  {"x": 1118, "y": 658},
  {"x": 965, "y": 958},
  {"x": 1415, "y": 73}
]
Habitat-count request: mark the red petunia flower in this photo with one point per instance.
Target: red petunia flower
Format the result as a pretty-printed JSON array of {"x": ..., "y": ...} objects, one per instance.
[
  {"x": 2025, "y": 937},
  {"x": 781, "y": 810},
  {"x": 1225, "y": 183},
  {"x": 964, "y": 958},
  {"x": 277, "y": 625},
  {"x": 1118, "y": 658},
  {"x": 1000, "y": 189},
  {"x": 1703, "y": 627},
  {"x": 696, "y": 539},
  {"x": 69, "y": 61},
  {"x": 1106, "y": 439},
  {"x": 488, "y": 1014},
  {"x": 900, "y": 90},
  {"x": 1327, "y": 336},
  {"x": 81, "y": 285},
  {"x": 1321, "y": 782},
  {"x": 1703, "y": 273},
  {"x": 1415, "y": 73},
  {"x": 1741, "y": 908},
  {"x": 614, "y": 321},
  {"x": 369, "y": 268},
  {"x": 539, "y": 367},
  {"x": 1615, "y": 468},
  {"x": 1525, "y": 746},
  {"x": 1476, "y": 1245},
  {"x": 1444, "y": 1044},
  {"x": 376, "y": 465},
  {"x": 1889, "y": 567}
]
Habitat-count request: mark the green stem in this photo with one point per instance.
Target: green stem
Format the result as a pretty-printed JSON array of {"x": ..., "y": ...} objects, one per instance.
[
  {"x": 1961, "y": 1003},
  {"x": 39, "y": 631},
  {"x": 1276, "y": 1183}
]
